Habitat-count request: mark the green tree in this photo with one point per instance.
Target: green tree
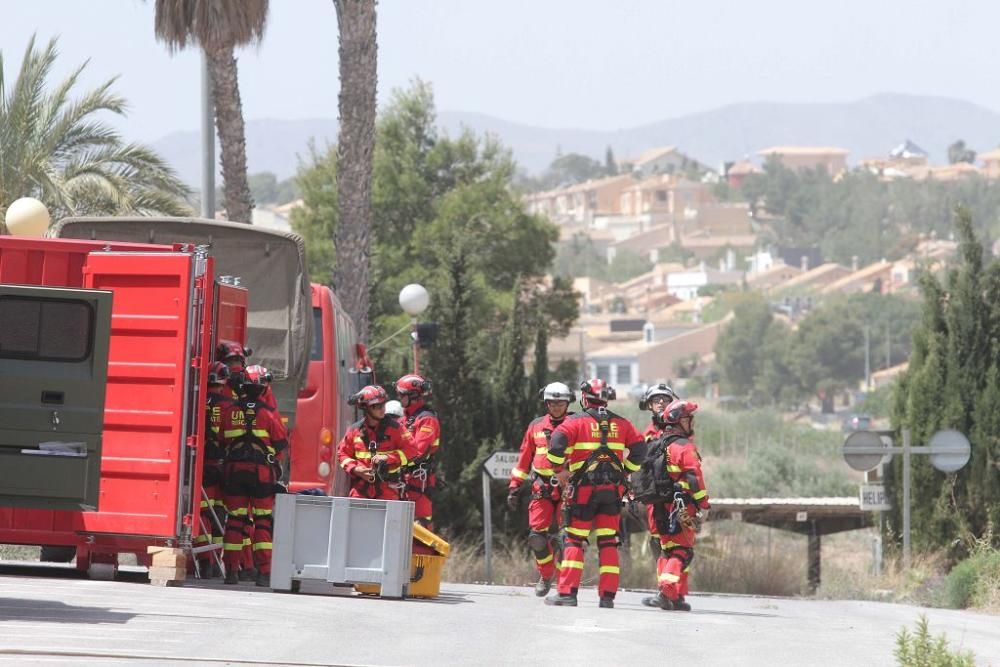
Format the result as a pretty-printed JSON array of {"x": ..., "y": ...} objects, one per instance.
[
  {"x": 218, "y": 27},
  {"x": 738, "y": 347},
  {"x": 54, "y": 149},
  {"x": 610, "y": 165},
  {"x": 570, "y": 169},
  {"x": 952, "y": 382},
  {"x": 316, "y": 221},
  {"x": 957, "y": 152},
  {"x": 828, "y": 353}
]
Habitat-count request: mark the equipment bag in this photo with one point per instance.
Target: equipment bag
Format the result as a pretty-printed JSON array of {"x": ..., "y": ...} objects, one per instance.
[{"x": 652, "y": 483}]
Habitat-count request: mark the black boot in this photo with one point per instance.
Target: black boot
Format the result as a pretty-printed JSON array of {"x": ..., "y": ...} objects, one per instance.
[
  {"x": 543, "y": 586},
  {"x": 232, "y": 577},
  {"x": 561, "y": 600},
  {"x": 607, "y": 602},
  {"x": 658, "y": 600},
  {"x": 248, "y": 575},
  {"x": 263, "y": 580},
  {"x": 681, "y": 605}
]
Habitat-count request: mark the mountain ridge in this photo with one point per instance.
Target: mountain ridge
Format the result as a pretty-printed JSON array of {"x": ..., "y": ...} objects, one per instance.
[{"x": 867, "y": 127}]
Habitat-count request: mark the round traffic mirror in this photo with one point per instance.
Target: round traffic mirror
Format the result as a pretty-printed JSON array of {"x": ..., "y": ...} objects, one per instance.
[
  {"x": 950, "y": 450},
  {"x": 862, "y": 450}
]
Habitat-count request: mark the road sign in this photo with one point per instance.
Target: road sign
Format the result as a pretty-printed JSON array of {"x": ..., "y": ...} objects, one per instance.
[
  {"x": 858, "y": 452},
  {"x": 949, "y": 450},
  {"x": 873, "y": 498},
  {"x": 499, "y": 464}
]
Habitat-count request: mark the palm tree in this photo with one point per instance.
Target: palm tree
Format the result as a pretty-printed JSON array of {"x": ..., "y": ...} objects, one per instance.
[
  {"x": 52, "y": 148},
  {"x": 219, "y": 26},
  {"x": 355, "y": 148}
]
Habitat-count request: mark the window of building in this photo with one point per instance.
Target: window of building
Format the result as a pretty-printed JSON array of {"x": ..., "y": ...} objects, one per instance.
[
  {"x": 661, "y": 195},
  {"x": 45, "y": 329},
  {"x": 624, "y": 374},
  {"x": 603, "y": 371}
]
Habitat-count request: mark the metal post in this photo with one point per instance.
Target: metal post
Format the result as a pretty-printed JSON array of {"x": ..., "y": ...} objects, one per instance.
[
  {"x": 906, "y": 499},
  {"x": 877, "y": 546},
  {"x": 487, "y": 528},
  {"x": 416, "y": 346},
  {"x": 888, "y": 345},
  {"x": 583, "y": 360},
  {"x": 868, "y": 359},
  {"x": 207, "y": 142}
]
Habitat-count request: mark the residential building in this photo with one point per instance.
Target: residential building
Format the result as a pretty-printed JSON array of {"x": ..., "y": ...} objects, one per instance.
[
  {"x": 686, "y": 284},
  {"x": 773, "y": 278},
  {"x": 875, "y": 278},
  {"x": 738, "y": 173},
  {"x": 712, "y": 218},
  {"x": 834, "y": 160},
  {"x": 991, "y": 163},
  {"x": 580, "y": 202},
  {"x": 814, "y": 280},
  {"x": 663, "y": 160},
  {"x": 629, "y": 363},
  {"x": 954, "y": 172}
]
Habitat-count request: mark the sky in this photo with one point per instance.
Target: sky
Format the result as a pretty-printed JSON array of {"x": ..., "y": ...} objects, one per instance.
[{"x": 592, "y": 64}]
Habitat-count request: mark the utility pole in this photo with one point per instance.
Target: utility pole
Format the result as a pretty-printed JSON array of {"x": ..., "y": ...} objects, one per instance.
[
  {"x": 888, "y": 345},
  {"x": 207, "y": 142},
  {"x": 868, "y": 359}
]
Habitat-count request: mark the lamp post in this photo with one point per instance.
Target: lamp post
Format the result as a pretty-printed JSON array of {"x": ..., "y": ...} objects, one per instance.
[
  {"x": 27, "y": 217},
  {"x": 414, "y": 300}
]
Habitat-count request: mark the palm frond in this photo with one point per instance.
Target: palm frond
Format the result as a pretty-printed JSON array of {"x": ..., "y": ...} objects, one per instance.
[{"x": 213, "y": 24}]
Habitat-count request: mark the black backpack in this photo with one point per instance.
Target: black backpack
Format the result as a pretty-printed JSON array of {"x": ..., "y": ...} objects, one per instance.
[{"x": 651, "y": 483}]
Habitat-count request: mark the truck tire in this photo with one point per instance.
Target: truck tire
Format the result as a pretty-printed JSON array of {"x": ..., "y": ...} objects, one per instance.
[{"x": 58, "y": 554}]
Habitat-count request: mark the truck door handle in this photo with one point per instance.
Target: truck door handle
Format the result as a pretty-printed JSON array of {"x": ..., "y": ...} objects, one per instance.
[{"x": 53, "y": 397}]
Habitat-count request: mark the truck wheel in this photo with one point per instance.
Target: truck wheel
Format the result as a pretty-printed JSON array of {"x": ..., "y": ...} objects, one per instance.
[
  {"x": 102, "y": 571},
  {"x": 58, "y": 554}
]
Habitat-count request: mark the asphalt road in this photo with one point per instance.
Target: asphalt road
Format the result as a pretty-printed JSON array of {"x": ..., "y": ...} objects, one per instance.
[{"x": 46, "y": 619}]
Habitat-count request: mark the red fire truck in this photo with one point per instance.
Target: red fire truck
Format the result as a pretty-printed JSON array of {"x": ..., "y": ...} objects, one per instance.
[{"x": 177, "y": 288}]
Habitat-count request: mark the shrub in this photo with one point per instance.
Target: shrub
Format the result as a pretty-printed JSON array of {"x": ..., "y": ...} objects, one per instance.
[
  {"x": 922, "y": 650},
  {"x": 975, "y": 582}
]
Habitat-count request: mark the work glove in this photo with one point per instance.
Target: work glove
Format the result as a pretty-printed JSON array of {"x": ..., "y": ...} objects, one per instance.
[{"x": 514, "y": 500}]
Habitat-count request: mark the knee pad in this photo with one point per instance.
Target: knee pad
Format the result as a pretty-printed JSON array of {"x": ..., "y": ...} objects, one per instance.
[
  {"x": 575, "y": 540},
  {"x": 538, "y": 542},
  {"x": 683, "y": 554}
]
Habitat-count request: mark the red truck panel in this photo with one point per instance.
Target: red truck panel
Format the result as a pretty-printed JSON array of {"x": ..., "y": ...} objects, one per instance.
[
  {"x": 231, "y": 317},
  {"x": 144, "y": 418},
  {"x": 54, "y": 262}
]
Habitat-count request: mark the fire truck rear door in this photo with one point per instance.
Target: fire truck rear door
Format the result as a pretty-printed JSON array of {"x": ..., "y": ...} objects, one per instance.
[{"x": 53, "y": 372}]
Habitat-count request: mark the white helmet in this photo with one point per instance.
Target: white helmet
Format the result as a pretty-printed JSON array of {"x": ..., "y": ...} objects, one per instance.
[
  {"x": 394, "y": 408},
  {"x": 557, "y": 391}
]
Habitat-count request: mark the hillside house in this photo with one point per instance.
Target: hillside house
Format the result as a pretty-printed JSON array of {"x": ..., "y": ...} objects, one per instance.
[{"x": 833, "y": 160}]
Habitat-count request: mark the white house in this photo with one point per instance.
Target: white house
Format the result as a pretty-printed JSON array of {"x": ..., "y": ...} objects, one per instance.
[{"x": 685, "y": 284}]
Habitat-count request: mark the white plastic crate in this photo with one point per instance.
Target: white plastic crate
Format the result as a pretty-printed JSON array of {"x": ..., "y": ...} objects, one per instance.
[{"x": 341, "y": 541}]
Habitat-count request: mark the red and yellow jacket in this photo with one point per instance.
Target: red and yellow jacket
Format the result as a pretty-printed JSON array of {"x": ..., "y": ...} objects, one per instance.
[
  {"x": 535, "y": 450},
  {"x": 426, "y": 430},
  {"x": 252, "y": 432},
  {"x": 652, "y": 432},
  {"x": 573, "y": 442},
  {"x": 684, "y": 467},
  {"x": 362, "y": 441}
]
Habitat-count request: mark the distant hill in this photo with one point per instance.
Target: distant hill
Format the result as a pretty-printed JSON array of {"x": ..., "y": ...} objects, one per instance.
[{"x": 869, "y": 127}]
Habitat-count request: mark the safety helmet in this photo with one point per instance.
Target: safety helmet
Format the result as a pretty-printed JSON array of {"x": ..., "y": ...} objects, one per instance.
[
  {"x": 596, "y": 392},
  {"x": 230, "y": 350},
  {"x": 657, "y": 390},
  {"x": 413, "y": 385},
  {"x": 259, "y": 373},
  {"x": 369, "y": 396},
  {"x": 677, "y": 411},
  {"x": 254, "y": 383},
  {"x": 557, "y": 391},
  {"x": 394, "y": 408},
  {"x": 218, "y": 373}
]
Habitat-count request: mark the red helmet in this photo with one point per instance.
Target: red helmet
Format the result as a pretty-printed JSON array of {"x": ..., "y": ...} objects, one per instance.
[
  {"x": 678, "y": 410},
  {"x": 596, "y": 392},
  {"x": 369, "y": 396},
  {"x": 413, "y": 385},
  {"x": 218, "y": 373},
  {"x": 259, "y": 374},
  {"x": 227, "y": 351}
]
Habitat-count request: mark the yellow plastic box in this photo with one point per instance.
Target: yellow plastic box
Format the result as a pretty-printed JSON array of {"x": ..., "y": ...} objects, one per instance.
[{"x": 425, "y": 568}]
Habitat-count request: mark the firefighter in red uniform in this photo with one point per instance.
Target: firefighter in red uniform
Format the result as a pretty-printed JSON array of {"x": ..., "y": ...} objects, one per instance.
[
  {"x": 533, "y": 463},
  {"x": 375, "y": 450},
  {"x": 676, "y": 522},
  {"x": 422, "y": 422},
  {"x": 254, "y": 438},
  {"x": 599, "y": 449},
  {"x": 234, "y": 356},
  {"x": 656, "y": 399},
  {"x": 213, "y": 509}
]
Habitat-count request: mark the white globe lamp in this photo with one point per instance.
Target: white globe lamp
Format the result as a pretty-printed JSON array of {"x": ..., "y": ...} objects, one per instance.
[
  {"x": 414, "y": 299},
  {"x": 27, "y": 217}
]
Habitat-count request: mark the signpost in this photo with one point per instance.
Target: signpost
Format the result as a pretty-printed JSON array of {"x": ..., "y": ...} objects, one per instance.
[
  {"x": 497, "y": 466},
  {"x": 949, "y": 451}
]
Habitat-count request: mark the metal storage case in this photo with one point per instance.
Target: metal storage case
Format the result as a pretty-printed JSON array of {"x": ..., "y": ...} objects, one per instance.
[{"x": 342, "y": 541}]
